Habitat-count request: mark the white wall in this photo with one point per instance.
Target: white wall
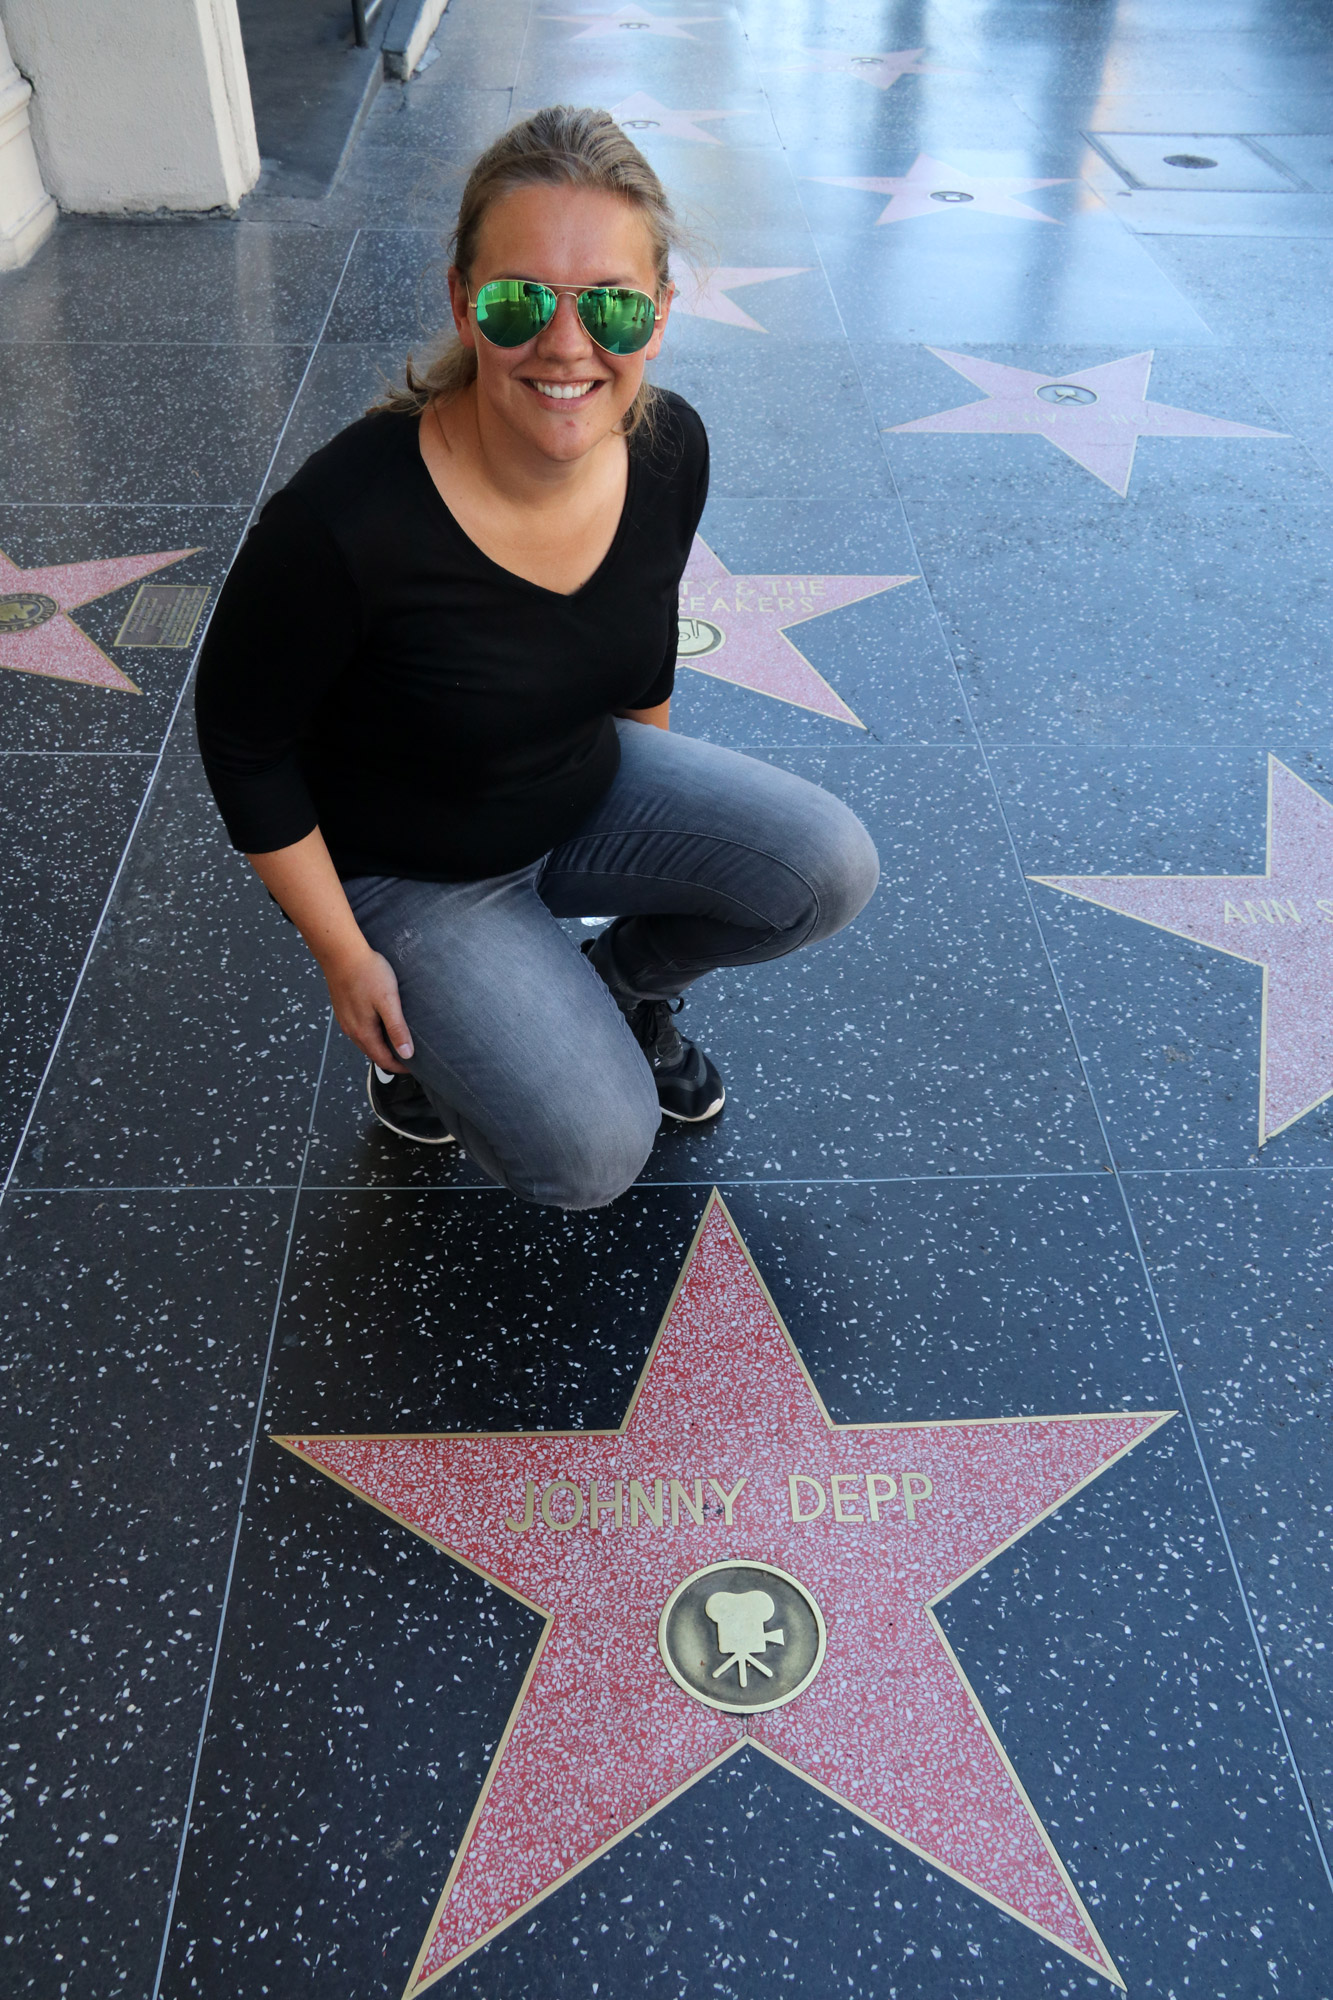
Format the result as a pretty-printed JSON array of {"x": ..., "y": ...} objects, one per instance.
[
  {"x": 137, "y": 104},
  {"x": 26, "y": 209}
]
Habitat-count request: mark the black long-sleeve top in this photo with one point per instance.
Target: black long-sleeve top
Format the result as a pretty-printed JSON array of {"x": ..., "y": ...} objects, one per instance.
[{"x": 369, "y": 671}]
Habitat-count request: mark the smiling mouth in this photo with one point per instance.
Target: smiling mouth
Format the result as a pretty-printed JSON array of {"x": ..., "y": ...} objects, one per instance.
[{"x": 564, "y": 392}]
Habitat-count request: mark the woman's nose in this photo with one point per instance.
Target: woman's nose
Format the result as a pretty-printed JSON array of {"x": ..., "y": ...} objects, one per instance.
[{"x": 565, "y": 333}]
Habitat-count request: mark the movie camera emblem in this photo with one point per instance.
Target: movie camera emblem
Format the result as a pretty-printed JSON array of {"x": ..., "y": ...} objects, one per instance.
[
  {"x": 24, "y": 611},
  {"x": 743, "y": 1637}
]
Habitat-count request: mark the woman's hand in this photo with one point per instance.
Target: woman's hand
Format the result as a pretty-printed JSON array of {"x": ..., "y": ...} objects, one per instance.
[
  {"x": 365, "y": 1001},
  {"x": 362, "y": 985}
]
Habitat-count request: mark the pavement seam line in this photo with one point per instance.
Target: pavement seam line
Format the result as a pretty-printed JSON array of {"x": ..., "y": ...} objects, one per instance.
[{"x": 261, "y": 1397}]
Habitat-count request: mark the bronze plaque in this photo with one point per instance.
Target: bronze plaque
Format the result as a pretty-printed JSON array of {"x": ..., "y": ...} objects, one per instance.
[
  {"x": 23, "y": 610},
  {"x": 742, "y": 1636},
  {"x": 163, "y": 614}
]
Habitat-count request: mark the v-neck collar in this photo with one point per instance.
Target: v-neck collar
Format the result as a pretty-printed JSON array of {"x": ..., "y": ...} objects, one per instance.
[{"x": 435, "y": 499}]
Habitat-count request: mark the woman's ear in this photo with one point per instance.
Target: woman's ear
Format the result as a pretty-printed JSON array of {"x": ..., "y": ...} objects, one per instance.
[
  {"x": 666, "y": 295},
  {"x": 458, "y": 302}
]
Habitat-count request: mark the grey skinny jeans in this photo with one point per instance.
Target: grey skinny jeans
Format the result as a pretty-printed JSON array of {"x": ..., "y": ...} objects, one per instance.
[{"x": 709, "y": 858}]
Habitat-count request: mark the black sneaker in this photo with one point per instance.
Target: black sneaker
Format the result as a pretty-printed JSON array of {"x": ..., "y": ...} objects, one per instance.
[
  {"x": 689, "y": 1087},
  {"x": 400, "y": 1103}
]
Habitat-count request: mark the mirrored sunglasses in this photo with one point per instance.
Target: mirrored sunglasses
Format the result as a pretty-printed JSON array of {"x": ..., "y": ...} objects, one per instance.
[{"x": 512, "y": 310}]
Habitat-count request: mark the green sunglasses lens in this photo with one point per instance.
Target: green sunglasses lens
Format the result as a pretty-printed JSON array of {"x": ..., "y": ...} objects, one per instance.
[
  {"x": 619, "y": 320},
  {"x": 512, "y": 310}
]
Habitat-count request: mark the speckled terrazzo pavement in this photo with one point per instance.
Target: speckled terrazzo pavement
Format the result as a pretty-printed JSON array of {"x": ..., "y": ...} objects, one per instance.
[{"x": 1034, "y": 1154}]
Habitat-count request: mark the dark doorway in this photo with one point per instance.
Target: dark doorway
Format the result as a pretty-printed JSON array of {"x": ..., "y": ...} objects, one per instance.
[{"x": 310, "y": 85}]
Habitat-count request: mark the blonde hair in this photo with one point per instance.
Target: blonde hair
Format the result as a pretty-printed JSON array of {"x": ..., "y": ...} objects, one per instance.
[{"x": 557, "y": 147}]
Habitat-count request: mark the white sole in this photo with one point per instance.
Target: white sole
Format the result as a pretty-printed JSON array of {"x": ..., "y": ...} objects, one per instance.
[
  {"x": 413, "y": 1138},
  {"x": 700, "y": 1117}
]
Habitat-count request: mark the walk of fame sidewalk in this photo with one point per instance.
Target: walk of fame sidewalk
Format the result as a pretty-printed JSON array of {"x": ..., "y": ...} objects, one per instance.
[{"x": 885, "y": 1552}]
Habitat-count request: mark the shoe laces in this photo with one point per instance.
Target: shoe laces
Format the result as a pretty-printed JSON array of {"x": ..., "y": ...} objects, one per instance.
[{"x": 656, "y": 1032}]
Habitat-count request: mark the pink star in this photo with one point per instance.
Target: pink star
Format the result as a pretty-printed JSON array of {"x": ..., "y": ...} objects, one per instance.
[
  {"x": 1095, "y": 416},
  {"x": 881, "y": 70},
  {"x": 931, "y": 187},
  {"x": 734, "y": 628},
  {"x": 36, "y": 636},
  {"x": 728, "y": 1461},
  {"x": 634, "y": 20},
  {"x": 703, "y": 294},
  {"x": 1281, "y": 920},
  {"x": 641, "y": 112}
]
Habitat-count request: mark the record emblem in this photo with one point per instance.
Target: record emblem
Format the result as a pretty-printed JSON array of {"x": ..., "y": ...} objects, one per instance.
[{"x": 697, "y": 637}]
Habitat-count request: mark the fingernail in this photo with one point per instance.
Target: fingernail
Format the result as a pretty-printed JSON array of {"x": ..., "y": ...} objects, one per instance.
[{"x": 404, "y": 1050}]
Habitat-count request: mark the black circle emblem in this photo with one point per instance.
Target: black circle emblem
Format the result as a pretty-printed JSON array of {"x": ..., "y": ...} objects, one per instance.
[
  {"x": 742, "y": 1636},
  {"x": 1066, "y": 392},
  {"x": 641, "y": 124},
  {"x": 1187, "y": 160},
  {"x": 951, "y": 194},
  {"x": 697, "y": 637},
  {"x": 24, "y": 611}
]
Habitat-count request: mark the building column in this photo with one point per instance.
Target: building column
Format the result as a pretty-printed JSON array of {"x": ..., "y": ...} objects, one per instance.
[
  {"x": 27, "y": 211},
  {"x": 138, "y": 105}
]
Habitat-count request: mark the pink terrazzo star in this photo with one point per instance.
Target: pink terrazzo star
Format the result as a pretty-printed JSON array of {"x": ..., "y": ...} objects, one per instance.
[
  {"x": 732, "y": 1451},
  {"x": 933, "y": 187},
  {"x": 734, "y": 628},
  {"x": 42, "y": 639},
  {"x": 1096, "y": 416},
  {"x": 642, "y": 114},
  {"x": 632, "y": 20},
  {"x": 881, "y": 70},
  {"x": 702, "y": 294},
  {"x": 1281, "y": 920}
]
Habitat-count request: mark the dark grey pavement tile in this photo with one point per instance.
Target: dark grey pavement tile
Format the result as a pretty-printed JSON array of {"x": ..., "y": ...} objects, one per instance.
[
  {"x": 63, "y": 825},
  {"x": 1208, "y": 108},
  {"x": 739, "y": 184},
  {"x": 197, "y": 282},
  {"x": 967, "y": 278},
  {"x": 436, "y": 113},
  {"x": 559, "y": 66},
  {"x": 184, "y": 424},
  {"x": 781, "y": 419},
  {"x": 345, "y": 379},
  {"x": 1295, "y": 381},
  {"x": 192, "y": 1053},
  {"x": 1262, "y": 290},
  {"x": 135, "y": 1332},
  {"x": 1241, "y": 1268},
  {"x": 959, "y": 106},
  {"x": 41, "y": 711},
  {"x": 394, "y": 290},
  {"x": 1114, "y": 632}
]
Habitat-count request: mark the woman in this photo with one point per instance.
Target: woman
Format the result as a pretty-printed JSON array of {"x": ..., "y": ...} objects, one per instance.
[{"x": 433, "y": 704}]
